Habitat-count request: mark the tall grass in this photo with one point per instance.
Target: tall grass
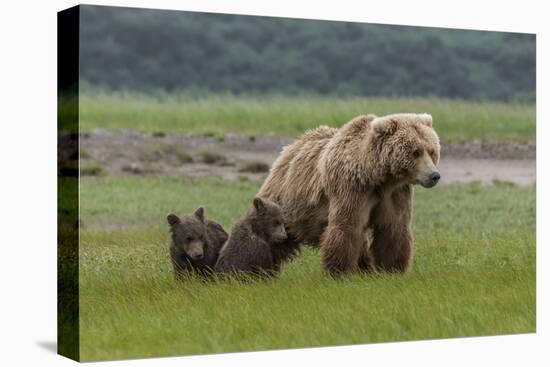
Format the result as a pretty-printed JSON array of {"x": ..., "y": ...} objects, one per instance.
[
  {"x": 473, "y": 274},
  {"x": 290, "y": 116}
]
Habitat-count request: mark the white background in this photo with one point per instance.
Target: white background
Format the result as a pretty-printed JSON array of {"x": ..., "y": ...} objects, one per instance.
[{"x": 28, "y": 182}]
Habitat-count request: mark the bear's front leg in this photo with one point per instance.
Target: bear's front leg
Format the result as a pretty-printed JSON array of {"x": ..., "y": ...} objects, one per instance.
[
  {"x": 340, "y": 250},
  {"x": 392, "y": 242},
  {"x": 343, "y": 239}
]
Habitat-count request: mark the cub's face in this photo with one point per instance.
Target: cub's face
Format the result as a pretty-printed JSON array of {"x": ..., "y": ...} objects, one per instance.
[
  {"x": 188, "y": 234},
  {"x": 277, "y": 227},
  {"x": 268, "y": 218},
  {"x": 410, "y": 148}
]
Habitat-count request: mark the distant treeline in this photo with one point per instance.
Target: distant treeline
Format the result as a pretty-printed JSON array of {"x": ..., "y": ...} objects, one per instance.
[{"x": 133, "y": 49}]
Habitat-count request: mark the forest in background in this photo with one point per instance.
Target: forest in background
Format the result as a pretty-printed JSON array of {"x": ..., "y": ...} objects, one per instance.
[{"x": 157, "y": 50}]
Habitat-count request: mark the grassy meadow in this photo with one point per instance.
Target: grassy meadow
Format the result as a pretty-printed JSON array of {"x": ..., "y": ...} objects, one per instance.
[
  {"x": 289, "y": 116},
  {"x": 473, "y": 274}
]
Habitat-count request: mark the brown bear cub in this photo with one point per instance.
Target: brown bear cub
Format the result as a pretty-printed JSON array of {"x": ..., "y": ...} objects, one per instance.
[
  {"x": 196, "y": 243},
  {"x": 252, "y": 245}
]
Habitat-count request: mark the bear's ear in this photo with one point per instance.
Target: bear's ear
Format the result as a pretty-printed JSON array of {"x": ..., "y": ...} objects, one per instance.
[
  {"x": 172, "y": 219},
  {"x": 426, "y": 119},
  {"x": 199, "y": 213},
  {"x": 259, "y": 205},
  {"x": 384, "y": 125},
  {"x": 370, "y": 117}
]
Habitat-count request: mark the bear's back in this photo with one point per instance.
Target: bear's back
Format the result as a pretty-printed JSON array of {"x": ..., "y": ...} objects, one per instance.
[
  {"x": 295, "y": 170},
  {"x": 244, "y": 252}
]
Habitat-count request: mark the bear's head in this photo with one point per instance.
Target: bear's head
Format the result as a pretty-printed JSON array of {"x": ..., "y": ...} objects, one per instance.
[
  {"x": 408, "y": 146},
  {"x": 266, "y": 219},
  {"x": 189, "y": 233}
]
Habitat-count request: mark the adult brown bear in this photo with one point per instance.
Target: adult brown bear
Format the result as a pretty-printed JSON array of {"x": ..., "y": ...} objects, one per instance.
[{"x": 350, "y": 189}]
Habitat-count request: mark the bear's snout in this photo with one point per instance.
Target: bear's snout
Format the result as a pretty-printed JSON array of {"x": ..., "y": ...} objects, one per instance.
[
  {"x": 196, "y": 255},
  {"x": 280, "y": 236},
  {"x": 434, "y": 177},
  {"x": 431, "y": 180}
]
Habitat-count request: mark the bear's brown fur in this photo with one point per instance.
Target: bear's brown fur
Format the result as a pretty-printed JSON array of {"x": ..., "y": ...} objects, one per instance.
[
  {"x": 350, "y": 189},
  {"x": 251, "y": 248},
  {"x": 196, "y": 243}
]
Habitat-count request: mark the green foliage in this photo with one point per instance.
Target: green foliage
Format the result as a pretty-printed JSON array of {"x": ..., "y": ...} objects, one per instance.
[
  {"x": 137, "y": 49},
  {"x": 257, "y": 116},
  {"x": 474, "y": 274}
]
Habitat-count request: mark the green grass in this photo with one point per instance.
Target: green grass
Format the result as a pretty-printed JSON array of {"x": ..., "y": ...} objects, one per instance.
[
  {"x": 290, "y": 116},
  {"x": 473, "y": 274}
]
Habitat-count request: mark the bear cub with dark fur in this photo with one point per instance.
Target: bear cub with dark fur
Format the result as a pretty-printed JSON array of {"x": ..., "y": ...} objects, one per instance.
[
  {"x": 252, "y": 245},
  {"x": 196, "y": 243}
]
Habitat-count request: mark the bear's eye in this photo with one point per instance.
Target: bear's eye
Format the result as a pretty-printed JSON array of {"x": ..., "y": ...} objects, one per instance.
[
  {"x": 189, "y": 238},
  {"x": 417, "y": 153}
]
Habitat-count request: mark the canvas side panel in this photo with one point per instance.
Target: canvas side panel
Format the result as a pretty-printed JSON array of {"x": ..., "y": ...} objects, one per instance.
[{"x": 67, "y": 183}]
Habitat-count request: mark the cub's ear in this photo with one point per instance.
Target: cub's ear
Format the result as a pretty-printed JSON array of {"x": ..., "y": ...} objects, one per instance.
[
  {"x": 199, "y": 213},
  {"x": 384, "y": 125},
  {"x": 259, "y": 205},
  {"x": 426, "y": 119},
  {"x": 172, "y": 219}
]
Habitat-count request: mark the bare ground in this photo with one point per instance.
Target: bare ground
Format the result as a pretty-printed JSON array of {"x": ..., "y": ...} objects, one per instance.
[{"x": 238, "y": 157}]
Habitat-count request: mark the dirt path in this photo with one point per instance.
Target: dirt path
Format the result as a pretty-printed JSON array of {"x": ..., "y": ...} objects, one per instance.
[
  {"x": 521, "y": 172},
  {"x": 236, "y": 156}
]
